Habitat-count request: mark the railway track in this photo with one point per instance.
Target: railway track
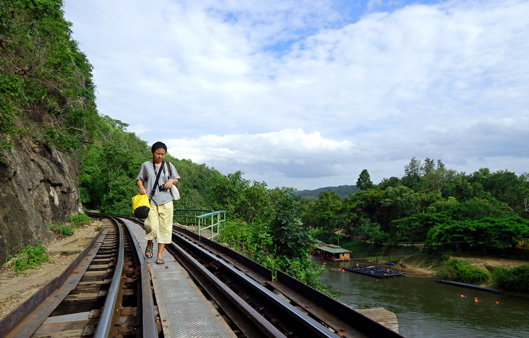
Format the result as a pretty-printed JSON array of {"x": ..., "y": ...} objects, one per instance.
[
  {"x": 255, "y": 305},
  {"x": 105, "y": 292},
  {"x": 114, "y": 296}
]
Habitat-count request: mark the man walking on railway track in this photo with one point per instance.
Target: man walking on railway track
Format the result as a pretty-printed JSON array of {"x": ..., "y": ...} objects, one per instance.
[{"x": 157, "y": 177}]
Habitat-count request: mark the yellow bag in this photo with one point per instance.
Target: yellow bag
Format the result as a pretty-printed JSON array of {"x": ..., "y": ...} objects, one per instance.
[{"x": 141, "y": 206}]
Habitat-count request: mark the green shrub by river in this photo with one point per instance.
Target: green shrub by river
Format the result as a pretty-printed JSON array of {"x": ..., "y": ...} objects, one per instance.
[
  {"x": 461, "y": 271},
  {"x": 514, "y": 280}
]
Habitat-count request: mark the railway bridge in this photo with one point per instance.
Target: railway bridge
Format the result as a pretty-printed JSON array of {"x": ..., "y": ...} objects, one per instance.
[{"x": 202, "y": 290}]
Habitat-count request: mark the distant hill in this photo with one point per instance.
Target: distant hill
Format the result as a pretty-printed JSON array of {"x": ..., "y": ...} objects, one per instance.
[{"x": 342, "y": 191}]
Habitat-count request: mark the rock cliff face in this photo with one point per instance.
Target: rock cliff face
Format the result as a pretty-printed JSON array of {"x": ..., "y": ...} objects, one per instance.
[{"x": 38, "y": 186}]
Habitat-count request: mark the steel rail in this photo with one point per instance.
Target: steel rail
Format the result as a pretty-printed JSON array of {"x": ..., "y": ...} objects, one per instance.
[
  {"x": 105, "y": 321},
  {"x": 27, "y": 317},
  {"x": 300, "y": 319},
  {"x": 259, "y": 325},
  {"x": 333, "y": 316},
  {"x": 227, "y": 252},
  {"x": 341, "y": 317},
  {"x": 146, "y": 310}
]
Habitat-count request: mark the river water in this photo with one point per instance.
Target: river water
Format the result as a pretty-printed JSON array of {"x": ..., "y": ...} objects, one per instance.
[{"x": 425, "y": 308}]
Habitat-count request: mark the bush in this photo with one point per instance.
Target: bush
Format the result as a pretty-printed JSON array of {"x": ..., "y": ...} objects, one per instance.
[
  {"x": 28, "y": 257},
  {"x": 253, "y": 241},
  {"x": 62, "y": 230},
  {"x": 75, "y": 221},
  {"x": 303, "y": 270},
  {"x": 79, "y": 219},
  {"x": 515, "y": 280},
  {"x": 462, "y": 271},
  {"x": 248, "y": 239}
]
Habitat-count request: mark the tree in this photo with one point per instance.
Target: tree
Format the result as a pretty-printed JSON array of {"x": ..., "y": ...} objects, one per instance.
[
  {"x": 497, "y": 233},
  {"x": 415, "y": 228},
  {"x": 389, "y": 182},
  {"x": 412, "y": 174},
  {"x": 443, "y": 205},
  {"x": 478, "y": 208},
  {"x": 461, "y": 188},
  {"x": 505, "y": 186},
  {"x": 397, "y": 203},
  {"x": 428, "y": 166},
  {"x": 289, "y": 237},
  {"x": 258, "y": 202},
  {"x": 436, "y": 179},
  {"x": 364, "y": 181},
  {"x": 326, "y": 213},
  {"x": 503, "y": 233}
]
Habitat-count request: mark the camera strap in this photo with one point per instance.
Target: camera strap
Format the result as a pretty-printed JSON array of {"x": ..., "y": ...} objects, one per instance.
[
  {"x": 157, "y": 177},
  {"x": 169, "y": 168}
]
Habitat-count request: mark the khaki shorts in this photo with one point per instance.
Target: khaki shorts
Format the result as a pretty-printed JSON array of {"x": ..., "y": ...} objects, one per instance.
[{"x": 159, "y": 223}]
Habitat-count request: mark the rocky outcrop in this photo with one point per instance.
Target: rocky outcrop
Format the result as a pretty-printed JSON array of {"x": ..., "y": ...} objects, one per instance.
[{"x": 38, "y": 186}]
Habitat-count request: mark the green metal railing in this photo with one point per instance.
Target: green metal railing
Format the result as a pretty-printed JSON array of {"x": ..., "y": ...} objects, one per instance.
[{"x": 204, "y": 219}]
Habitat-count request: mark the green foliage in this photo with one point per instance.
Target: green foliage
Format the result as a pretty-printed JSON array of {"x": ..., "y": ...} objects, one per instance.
[
  {"x": 443, "y": 205},
  {"x": 303, "y": 270},
  {"x": 79, "y": 219},
  {"x": 477, "y": 208},
  {"x": 245, "y": 200},
  {"x": 248, "y": 238},
  {"x": 461, "y": 271},
  {"x": 74, "y": 222},
  {"x": 515, "y": 279},
  {"x": 289, "y": 237},
  {"x": 384, "y": 206},
  {"x": 325, "y": 212},
  {"x": 29, "y": 257},
  {"x": 62, "y": 230},
  {"x": 438, "y": 205},
  {"x": 61, "y": 140},
  {"x": 45, "y": 81},
  {"x": 108, "y": 174},
  {"x": 415, "y": 228},
  {"x": 194, "y": 185},
  {"x": 255, "y": 240},
  {"x": 11, "y": 94},
  {"x": 499, "y": 233},
  {"x": 364, "y": 181}
]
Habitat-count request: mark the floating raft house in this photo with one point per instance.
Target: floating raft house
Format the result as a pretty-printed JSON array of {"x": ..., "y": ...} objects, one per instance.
[
  {"x": 331, "y": 252},
  {"x": 374, "y": 271}
]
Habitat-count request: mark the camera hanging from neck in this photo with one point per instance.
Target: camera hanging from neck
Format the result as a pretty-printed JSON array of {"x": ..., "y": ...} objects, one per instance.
[{"x": 157, "y": 177}]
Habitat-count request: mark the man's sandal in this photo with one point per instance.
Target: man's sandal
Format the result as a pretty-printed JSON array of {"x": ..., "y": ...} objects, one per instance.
[
  {"x": 148, "y": 252},
  {"x": 159, "y": 260}
]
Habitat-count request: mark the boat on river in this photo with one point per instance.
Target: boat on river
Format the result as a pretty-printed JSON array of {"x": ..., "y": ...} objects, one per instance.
[{"x": 375, "y": 271}]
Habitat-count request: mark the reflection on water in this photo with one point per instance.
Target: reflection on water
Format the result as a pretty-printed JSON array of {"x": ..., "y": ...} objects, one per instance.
[{"x": 425, "y": 308}]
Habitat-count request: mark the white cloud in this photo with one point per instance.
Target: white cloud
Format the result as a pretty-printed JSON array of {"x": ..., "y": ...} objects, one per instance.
[
  {"x": 274, "y": 149},
  {"x": 302, "y": 95}
]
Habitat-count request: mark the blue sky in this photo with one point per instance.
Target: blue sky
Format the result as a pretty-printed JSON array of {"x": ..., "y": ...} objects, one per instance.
[{"x": 308, "y": 93}]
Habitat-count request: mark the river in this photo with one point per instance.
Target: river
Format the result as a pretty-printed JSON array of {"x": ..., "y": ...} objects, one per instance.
[{"x": 425, "y": 308}]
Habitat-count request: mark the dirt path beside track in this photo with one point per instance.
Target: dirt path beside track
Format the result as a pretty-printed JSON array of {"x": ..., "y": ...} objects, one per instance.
[{"x": 61, "y": 251}]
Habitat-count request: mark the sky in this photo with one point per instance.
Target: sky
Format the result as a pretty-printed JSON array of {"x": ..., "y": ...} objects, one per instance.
[{"x": 308, "y": 93}]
